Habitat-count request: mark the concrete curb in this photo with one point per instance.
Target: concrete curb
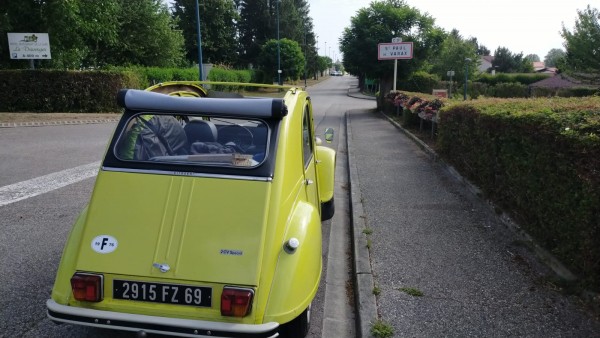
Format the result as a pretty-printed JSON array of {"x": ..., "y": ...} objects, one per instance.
[
  {"x": 547, "y": 258},
  {"x": 366, "y": 304},
  {"x": 359, "y": 95},
  {"x": 54, "y": 123}
]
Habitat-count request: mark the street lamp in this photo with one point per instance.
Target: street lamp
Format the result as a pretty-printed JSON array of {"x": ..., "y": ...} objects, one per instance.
[
  {"x": 199, "y": 41},
  {"x": 467, "y": 60},
  {"x": 450, "y": 73},
  {"x": 278, "y": 49}
]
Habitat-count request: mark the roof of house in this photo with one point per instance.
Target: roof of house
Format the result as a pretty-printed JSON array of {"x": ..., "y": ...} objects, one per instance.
[
  {"x": 538, "y": 65},
  {"x": 558, "y": 81},
  {"x": 488, "y": 58}
]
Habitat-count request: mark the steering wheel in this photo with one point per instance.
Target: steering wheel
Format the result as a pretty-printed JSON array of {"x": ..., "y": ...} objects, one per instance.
[{"x": 240, "y": 136}]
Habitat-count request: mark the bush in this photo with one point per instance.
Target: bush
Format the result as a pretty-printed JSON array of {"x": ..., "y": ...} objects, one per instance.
[
  {"x": 526, "y": 79},
  {"x": 508, "y": 90},
  {"x": 64, "y": 91},
  {"x": 540, "y": 160},
  {"x": 422, "y": 82}
]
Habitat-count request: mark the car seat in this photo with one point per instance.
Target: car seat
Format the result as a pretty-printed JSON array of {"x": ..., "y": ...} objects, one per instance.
[{"x": 200, "y": 131}]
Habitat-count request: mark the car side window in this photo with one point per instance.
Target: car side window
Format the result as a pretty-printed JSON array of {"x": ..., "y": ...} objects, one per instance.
[{"x": 307, "y": 137}]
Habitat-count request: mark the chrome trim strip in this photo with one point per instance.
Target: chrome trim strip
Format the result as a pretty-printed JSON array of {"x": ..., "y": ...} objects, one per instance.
[
  {"x": 187, "y": 173},
  {"x": 103, "y": 319}
]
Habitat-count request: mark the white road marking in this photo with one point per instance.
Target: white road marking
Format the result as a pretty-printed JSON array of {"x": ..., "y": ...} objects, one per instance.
[{"x": 43, "y": 184}]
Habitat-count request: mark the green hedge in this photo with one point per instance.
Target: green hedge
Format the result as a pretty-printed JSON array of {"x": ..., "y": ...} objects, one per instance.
[
  {"x": 228, "y": 75},
  {"x": 526, "y": 78},
  {"x": 63, "y": 91},
  {"x": 539, "y": 159}
]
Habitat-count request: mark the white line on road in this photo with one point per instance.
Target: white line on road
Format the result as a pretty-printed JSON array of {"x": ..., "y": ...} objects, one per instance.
[{"x": 43, "y": 184}]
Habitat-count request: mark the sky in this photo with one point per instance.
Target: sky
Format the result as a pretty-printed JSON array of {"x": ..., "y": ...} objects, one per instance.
[{"x": 527, "y": 26}]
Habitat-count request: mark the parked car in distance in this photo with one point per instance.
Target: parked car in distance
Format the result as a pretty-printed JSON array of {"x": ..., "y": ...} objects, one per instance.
[{"x": 205, "y": 218}]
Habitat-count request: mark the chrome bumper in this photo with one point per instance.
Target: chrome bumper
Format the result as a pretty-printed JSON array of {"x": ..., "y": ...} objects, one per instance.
[{"x": 157, "y": 325}]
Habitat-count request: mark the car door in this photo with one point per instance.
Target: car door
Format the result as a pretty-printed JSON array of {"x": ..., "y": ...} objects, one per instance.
[{"x": 308, "y": 151}]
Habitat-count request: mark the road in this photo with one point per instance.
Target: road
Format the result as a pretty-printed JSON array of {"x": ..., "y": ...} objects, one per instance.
[{"x": 46, "y": 177}]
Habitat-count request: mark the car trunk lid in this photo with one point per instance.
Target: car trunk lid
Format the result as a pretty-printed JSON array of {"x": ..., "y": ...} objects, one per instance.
[{"x": 176, "y": 227}]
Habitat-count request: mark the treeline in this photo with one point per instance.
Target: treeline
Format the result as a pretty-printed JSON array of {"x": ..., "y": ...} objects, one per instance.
[{"x": 87, "y": 35}]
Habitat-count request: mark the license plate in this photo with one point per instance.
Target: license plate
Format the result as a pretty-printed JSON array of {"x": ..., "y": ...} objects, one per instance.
[{"x": 162, "y": 293}]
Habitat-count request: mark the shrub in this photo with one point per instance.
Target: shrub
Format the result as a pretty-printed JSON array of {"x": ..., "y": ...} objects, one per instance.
[
  {"x": 64, "y": 91},
  {"x": 540, "y": 160},
  {"x": 508, "y": 90},
  {"x": 422, "y": 82}
]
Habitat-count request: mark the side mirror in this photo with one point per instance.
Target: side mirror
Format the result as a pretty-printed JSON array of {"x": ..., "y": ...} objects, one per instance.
[{"x": 329, "y": 135}]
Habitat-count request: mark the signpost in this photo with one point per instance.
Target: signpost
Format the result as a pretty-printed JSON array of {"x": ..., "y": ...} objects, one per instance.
[
  {"x": 394, "y": 51},
  {"x": 29, "y": 46}
]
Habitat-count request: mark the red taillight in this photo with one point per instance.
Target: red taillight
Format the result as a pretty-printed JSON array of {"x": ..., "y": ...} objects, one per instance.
[
  {"x": 236, "y": 302},
  {"x": 87, "y": 287}
]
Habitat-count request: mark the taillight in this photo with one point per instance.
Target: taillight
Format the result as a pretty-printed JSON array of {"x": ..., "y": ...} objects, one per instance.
[
  {"x": 87, "y": 287},
  {"x": 236, "y": 302}
]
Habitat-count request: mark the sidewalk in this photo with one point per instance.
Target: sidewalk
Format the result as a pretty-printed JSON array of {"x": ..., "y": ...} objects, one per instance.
[{"x": 419, "y": 231}]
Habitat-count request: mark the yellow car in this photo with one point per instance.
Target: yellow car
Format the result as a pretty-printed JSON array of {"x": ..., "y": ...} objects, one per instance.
[{"x": 205, "y": 219}]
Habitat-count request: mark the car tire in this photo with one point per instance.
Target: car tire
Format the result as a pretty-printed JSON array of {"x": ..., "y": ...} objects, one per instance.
[
  {"x": 327, "y": 210},
  {"x": 298, "y": 327}
]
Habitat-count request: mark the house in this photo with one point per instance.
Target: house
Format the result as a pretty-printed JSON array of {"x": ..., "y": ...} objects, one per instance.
[
  {"x": 554, "y": 84},
  {"x": 486, "y": 63}
]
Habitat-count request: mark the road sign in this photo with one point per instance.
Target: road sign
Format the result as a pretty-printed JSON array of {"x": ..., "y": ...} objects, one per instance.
[
  {"x": 29, "y": 46},
  {"x": 395, "y": 51}
]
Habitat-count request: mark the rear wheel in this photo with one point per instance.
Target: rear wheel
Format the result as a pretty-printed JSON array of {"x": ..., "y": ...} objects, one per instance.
[
  {"x": 327, "y": 210},
  {"x": 298, "y": 327}
]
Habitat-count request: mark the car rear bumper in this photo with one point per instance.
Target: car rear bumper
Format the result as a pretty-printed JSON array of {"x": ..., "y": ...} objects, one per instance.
[{"x": 154, "y": 324}]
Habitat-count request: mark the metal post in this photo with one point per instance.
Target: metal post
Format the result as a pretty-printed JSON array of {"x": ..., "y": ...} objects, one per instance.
[
  {"x": 305, "y": 54},
  {"x": 395, "y": 72},
  {"x": 278, "y": 49},
  {"x": 201, "y": 75},
  {"x": 467, "y": 60}
]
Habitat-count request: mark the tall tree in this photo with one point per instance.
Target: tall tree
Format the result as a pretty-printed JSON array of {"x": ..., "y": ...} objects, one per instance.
[
  {"x": 452, "y": 54},
  {"x": 218, "y": 20},
  {"x": 481, "y": 49},
  {"x": 292, "y": 58},
  {"x": 532, "y": 58},
  {"x": 147, "y": 35},
  {"x": 507, "y": 62},
  {"x": 583, "y": 43},
  {"x": 380, "y": 22},
  {"x": 96, "y": 33},
  {"x": 554, "y": 56},
  {"x": 255, "y": 28}
]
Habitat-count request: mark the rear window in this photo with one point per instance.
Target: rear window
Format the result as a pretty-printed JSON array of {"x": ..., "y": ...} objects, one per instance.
[{"x": 193, "y": 140}]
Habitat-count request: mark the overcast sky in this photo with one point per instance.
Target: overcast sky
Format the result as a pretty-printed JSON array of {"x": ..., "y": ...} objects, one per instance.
[{"x": 528, "y": 26}]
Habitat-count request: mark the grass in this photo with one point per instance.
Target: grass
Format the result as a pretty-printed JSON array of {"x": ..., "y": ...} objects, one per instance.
[
  {"x": 381, "y": 329},
  {"x": 367, "y": 231},
  {"x": 412, "y": 291},
  {"x": 376, "y": 291}
]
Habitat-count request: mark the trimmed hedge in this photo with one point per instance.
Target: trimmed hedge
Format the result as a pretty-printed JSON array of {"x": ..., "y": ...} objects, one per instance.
[
  {"x": 63, "y": 91},
  {"x": 539, "y": 159},
  {"x": 228, "y": 75}
]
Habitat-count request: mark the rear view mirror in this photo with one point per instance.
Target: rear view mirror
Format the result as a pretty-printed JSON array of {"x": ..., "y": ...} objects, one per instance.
[{"x": 329, "y": 135}]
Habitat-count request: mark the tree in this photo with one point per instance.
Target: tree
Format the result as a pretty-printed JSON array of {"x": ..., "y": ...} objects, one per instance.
[
  {"x": 291, "y": 58},
  {"x": 481, "y": 49},
  {"x": 95, "y": 34},
  {"x": 583, "y": 44},
  {"x": 258, "y": 23},
  {"x": 452, "y": 54},
  {"x": 507, "y": 62},
  {"x": 218, "y": 20},
  {"x": 532, "y": 58},
  {"x": 147, "y": 36},
  {"x": 554, "y": 56},
  {"x": 380, "y": 22}
]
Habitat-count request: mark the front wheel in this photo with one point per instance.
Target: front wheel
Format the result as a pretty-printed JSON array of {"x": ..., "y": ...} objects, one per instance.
[{"x": 298, "y": 327}]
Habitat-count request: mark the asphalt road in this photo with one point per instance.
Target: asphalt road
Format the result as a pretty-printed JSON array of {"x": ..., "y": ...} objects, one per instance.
[{"x": 34, "y": 227}]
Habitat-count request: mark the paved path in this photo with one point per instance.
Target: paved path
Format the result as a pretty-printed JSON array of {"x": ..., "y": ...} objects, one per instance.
[{"x": 428, "y": 234}]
